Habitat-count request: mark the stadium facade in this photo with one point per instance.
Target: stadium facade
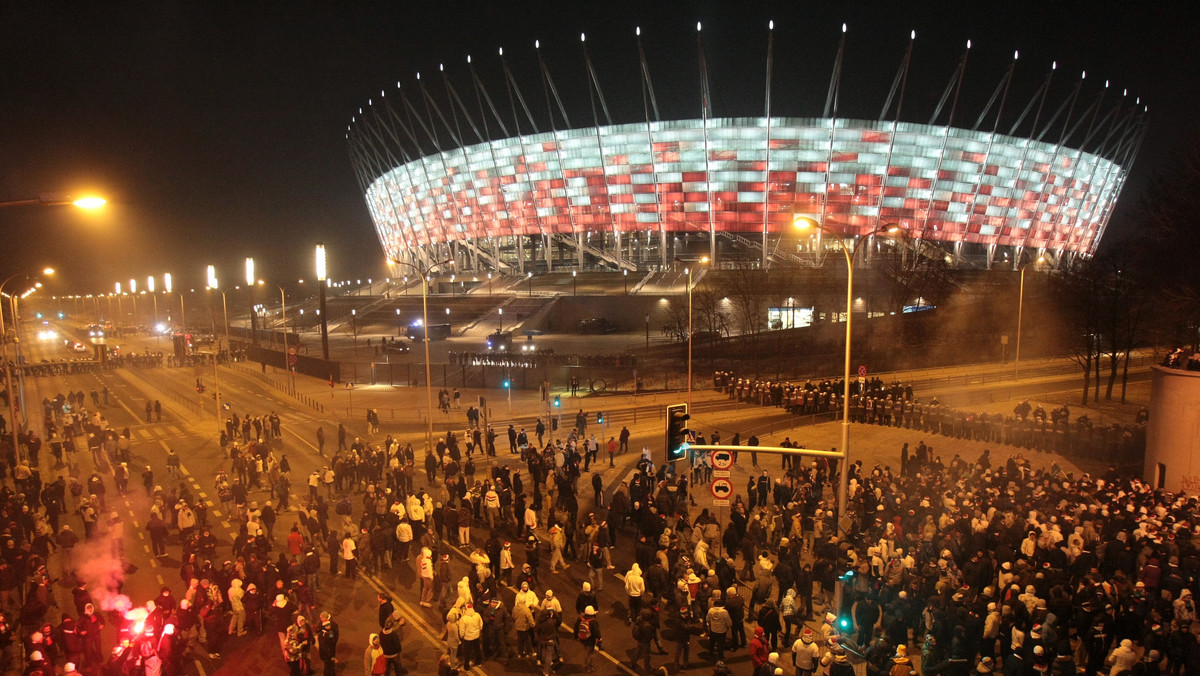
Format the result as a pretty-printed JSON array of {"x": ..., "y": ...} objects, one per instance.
[{"x": 496, "y": 193}]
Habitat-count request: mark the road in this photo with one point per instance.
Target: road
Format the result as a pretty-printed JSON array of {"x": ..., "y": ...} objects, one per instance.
[{"x": 189, "y": 425}]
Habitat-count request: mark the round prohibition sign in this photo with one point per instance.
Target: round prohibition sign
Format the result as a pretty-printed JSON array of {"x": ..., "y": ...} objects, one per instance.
[
  {"x": 721, "y": 459},
  {"x": 721, "y": 488}
]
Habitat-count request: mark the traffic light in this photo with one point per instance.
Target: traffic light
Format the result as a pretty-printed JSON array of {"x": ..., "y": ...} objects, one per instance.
[
  {"x": 599, "y": 417},
  {"x": 677, "y": 432},
  {"x": 557, "y": 401}
]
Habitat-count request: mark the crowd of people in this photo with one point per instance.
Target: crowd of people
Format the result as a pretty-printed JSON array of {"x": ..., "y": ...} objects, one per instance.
[
  {"x": 972, "y": 565},
  {"x": 894, "y": 405},
  {"x": 537, "y": 358}
]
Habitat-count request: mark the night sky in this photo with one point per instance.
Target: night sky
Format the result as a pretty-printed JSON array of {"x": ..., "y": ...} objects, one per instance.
[{"x": 217, "y": 129}]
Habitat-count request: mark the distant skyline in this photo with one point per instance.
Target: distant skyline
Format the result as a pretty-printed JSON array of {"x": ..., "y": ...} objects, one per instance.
[{"x": 219, "y": 133}]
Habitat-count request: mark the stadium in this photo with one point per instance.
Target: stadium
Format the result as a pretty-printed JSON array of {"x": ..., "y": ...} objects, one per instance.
[{"x": 446, "y": 179}]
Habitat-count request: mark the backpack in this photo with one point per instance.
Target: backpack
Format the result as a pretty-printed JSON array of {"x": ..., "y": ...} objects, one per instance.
[{"x": 585, "y": 630}]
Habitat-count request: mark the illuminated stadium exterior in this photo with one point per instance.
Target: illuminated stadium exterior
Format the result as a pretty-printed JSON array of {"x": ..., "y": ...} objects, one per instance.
[{"x": 636, "y": 195}]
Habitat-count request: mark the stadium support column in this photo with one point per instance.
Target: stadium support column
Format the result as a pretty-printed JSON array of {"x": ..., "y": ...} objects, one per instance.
[
  {"x": 579, "y": 249},
  {"x": 767, "y": 164},
  {"x": 549, "y": 253}
]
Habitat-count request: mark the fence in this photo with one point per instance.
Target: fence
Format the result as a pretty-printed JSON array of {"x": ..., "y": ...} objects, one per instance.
[{"x": 184, "y": 401}]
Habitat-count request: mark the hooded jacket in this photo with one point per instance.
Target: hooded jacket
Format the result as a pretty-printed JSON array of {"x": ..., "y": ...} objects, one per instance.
[
  {"x": 425, "y": 563},
  {"x": 634, "y": 585},
  {"x": 235, "y": 596},
  {"x": 372, "y": 665}
]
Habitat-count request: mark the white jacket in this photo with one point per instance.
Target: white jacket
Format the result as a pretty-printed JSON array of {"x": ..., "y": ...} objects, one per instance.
[
  {"x": 634, "y": 585},
  {"x": 425, "y": 564}
]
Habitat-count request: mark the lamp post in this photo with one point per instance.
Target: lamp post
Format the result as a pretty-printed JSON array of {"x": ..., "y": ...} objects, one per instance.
[
  {"x": 574, "y": 282},
  {"x": 15, "y": 300},
  {"x": 213, "y": 285},
  {"x": 322, "y": 282},
  {"x": 625, "y": 275},
  {"x": 8, "y": 379},
  {"x": 120, "y": 312},
  {"x": 250, "y": 283},
  {"x": 48, "y": 200},
  {"x": 287, "y": 356},
  {"x": 1020, "y": 312},
  {"x": 849, "y": 251},
  {"x": 424, "y": 273},
  {"x": 133, "y": 297},
  {"x": 529, "y": 276},
  {"x": 154, "y": 296},
  {"x": 500, "y": 311},
  {"x": 690, "y": 285}
]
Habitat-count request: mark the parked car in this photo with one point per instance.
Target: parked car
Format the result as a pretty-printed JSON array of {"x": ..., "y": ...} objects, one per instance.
[
  {"x": 397, "y": 347},
  {"x": 596, "y": 325}
]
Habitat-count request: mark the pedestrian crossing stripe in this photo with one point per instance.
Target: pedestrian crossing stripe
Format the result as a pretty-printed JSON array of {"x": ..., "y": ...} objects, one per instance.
[{"x": 157, "y": 433}]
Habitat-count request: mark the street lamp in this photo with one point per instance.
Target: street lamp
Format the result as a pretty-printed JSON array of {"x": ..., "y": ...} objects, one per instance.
[
  {"x": 688, "y": 273},
  {"x": 213, "y": 285},
  {"x": 500, "y": 311},
  {"x": 120, "y": 313},
  {"x": 133, "y": 296},
  {"x": 154, "y": 296},
  {"x": 287, "y": 355},
  {"x": 322, "y": 282},
  {"x": 424, "y": 273},
  {"x": 849, "y": 251},
  {"x": 250, "y": 283},
  {"x": 46, "y": 200},
  {"x": 529, "y": 276},
  {"x": 1020, "y": 311},
  {"x": 12, "y": 402},
  {"x": 626, "y": 276},
  {"x": 574, "y": 282}
]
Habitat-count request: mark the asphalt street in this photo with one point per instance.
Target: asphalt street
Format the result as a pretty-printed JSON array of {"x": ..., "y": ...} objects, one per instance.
[{"x": 189, "y": 425}]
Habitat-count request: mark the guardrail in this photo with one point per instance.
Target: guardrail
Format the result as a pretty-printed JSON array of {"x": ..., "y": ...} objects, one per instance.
[{"x": 183, "y": 401}]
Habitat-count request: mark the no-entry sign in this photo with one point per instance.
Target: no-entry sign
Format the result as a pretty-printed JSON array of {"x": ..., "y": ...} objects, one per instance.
[
  {"x": 721, "y": 488},
  {"x": 721, "y": 459}
]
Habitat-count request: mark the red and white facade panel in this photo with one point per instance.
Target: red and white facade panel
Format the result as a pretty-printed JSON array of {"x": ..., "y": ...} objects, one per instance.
[{"x": 743, "y": 175}]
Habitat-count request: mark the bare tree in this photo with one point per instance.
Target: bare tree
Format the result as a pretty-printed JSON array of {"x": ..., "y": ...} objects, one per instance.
[
  {"x": 745, "y": 286},
  {"x": 1079, "y": 290},
  {"x": 711, "y": 311},
  {"x": 918, "y": 270}
]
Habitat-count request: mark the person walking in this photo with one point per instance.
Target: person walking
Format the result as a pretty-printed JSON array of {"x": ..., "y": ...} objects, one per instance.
[
  {"x": 719, "y": 624},
  {"x": 425, "y": 572},
  {"x": 374, "y": 663},
  {"x": 348, "y": 548},
  {"x": 643, "y": 633},
  {"x": 686, "y": 626},
  {"x": 587, "y": 630},
  {"x": 237, "y": 610},
  {"x": 391, "y": 641},
  {"x": 635, "y": 586},
  {"x": 327, "y": 643},
  {"x": 470, "y": 628}
]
